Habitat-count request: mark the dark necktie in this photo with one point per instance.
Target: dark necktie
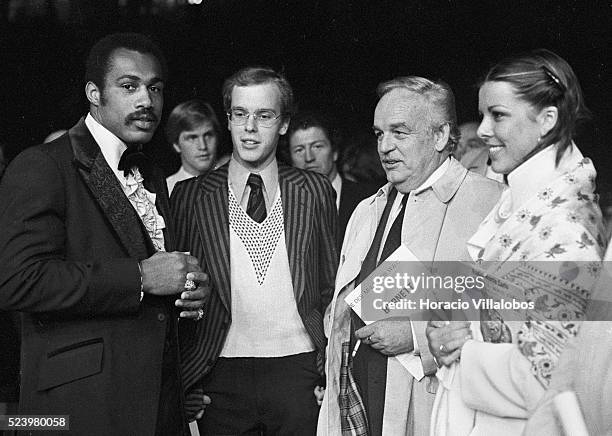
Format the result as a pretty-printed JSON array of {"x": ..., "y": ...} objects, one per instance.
[
  {"x": 393, "y": 241},
  {"x": 394, "y": 237},
  {"x": 256, "y": 207},
  {"x": 370, "y": 366}
]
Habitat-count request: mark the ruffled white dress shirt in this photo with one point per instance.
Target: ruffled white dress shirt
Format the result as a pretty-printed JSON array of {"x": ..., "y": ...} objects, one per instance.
[{"x": 142, "y": 200}]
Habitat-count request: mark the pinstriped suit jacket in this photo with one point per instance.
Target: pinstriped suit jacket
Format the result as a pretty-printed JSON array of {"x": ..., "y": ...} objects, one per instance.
[{"x": 200, "y": 214}]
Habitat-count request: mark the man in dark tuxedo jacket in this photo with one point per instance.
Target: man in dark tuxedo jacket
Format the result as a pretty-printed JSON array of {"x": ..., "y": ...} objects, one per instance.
[
  {"x": 83, "y": 255},
  {"x": 313, "y": 146},
  {"x": 265, "y": 233}
]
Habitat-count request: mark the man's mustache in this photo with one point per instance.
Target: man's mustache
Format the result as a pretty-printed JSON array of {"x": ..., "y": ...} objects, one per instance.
[{"x": 142, "y": 115}]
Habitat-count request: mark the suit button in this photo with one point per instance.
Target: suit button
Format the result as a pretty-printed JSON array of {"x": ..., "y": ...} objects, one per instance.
[{"x": 161, "y": 317}]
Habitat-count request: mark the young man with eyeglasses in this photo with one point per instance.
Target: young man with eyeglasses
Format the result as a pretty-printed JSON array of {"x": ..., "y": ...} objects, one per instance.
[{"x": 265, "y": 233}]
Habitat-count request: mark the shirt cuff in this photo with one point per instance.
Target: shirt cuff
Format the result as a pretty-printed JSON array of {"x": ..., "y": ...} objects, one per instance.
[{"x": 141, "y": 286}]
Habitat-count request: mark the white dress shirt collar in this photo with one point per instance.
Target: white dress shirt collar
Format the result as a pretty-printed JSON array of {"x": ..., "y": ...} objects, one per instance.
[
  {"x": 179, "y": 176},
  {"x": 183, "y": 174},
  {"x": 337, "y": 185},
  {"x": 111, "y": 147},
  {"x": 237, "y": 176},
  {"x": 433, "y": 178}
]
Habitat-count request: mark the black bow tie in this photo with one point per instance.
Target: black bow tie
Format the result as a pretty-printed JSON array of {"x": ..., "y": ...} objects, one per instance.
[{"x": 133, "y": 157}]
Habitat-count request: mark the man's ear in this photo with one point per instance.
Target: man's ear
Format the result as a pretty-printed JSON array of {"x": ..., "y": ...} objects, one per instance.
[
  {"x": 284, "y": 126},
  {"x": 93, "y": 93},
  {"x": 441, "y": 137},
  {"x": 548, "y": 119}
]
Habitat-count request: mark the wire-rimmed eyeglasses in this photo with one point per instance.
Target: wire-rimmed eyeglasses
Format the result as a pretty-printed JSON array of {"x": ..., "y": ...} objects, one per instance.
[{"x": 264, "y": 117}]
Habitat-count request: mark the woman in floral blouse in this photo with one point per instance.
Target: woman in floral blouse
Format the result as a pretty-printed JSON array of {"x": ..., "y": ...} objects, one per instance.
[{"x": 530, "y": 105}]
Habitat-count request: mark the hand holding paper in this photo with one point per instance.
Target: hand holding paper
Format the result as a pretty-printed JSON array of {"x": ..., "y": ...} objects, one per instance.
[
  {"x": 388, "y": 337},
  {"x": 395, "y": 337}
]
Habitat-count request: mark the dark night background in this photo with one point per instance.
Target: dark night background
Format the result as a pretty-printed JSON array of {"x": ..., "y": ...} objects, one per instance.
[{"x": 333, "y": 52}]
